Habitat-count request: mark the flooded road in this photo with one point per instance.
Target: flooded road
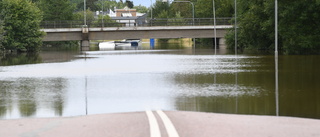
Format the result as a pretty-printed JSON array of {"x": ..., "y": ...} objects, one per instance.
[{"x": 95, "y": 82}]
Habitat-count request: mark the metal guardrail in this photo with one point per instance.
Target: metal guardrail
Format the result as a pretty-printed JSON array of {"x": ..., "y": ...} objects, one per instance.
[
  {"x": 189, "y": 22},
  {"x": 135, "y": 23}
]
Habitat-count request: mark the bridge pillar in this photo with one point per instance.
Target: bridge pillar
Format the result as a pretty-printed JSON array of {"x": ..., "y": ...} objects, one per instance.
[{"x": 85, "y": 43}]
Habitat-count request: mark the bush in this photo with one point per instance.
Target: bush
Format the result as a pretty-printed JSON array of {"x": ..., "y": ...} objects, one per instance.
[{"x": 21, "y": 20}]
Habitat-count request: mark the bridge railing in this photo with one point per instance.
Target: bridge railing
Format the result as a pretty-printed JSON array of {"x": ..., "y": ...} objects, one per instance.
[
  {"x": 134, "y": 23},
  {"x": 76, "y": 24},
  {"x": 189, "y": 22}
]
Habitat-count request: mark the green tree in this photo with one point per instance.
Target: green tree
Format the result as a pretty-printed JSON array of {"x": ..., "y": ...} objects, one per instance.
[
  {"x": 129, "y": 4},
  {"x": 141, "y": 9},
  {"x": 256, "y": 25},
  {"x": 108, "y": 5},
  {"x": 120, "y": 5},
  {"x": 106, "y": 21},
  {"x": 224, "y": 8},
  {"x": 161, "y": 9},
  {"x": 80, "y": 15},
  {"x": 1, "y": 34},
  {"x": 185, "y": 9},
  {"x": 22, "y": 25},
  {"x": 204, "y": 9},
  {"x": 91, "y": 4},
  {"x": 57, "y": 9},
  {"x": 298, "y": 28}
]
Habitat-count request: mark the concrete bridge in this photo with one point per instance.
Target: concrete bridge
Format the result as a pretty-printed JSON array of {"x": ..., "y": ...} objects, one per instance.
[{"x": 85, "y": 34}]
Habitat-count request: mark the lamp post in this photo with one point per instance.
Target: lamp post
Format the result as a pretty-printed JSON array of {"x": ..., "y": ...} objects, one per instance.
[
  {"x": 102, "y": 20},
  {"x": 276, "y": 27},
  {"x": 215, "y": 29},
  {"x": 276, "y": 58},
  {"x": 151, "y": 9},
  {"x": 85, "y": 13},
  {"x": 235, "y": 28}
]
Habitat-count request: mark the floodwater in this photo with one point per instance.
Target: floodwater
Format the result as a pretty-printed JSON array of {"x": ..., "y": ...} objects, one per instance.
[{"x": 68, "y": 83}]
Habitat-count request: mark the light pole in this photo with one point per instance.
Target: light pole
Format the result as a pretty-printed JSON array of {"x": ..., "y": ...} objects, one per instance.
[
  {"x": 84, "y": 13},
  {"x": 215, "y": 29},
  {"x": 235, "y": 28},
  {"x": 102, "y": 20},
  {"x": 276, "y": 27},
  {"x": 151, "y": 9},
  {"x": 276, "y": 58}
]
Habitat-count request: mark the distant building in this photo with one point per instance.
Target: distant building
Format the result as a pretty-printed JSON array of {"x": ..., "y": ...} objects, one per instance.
[{"x": 128, "y": 17}]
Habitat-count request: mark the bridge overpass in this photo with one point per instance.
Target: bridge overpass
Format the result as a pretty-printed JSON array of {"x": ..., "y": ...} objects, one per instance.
[{"x": 85, "y": 34}]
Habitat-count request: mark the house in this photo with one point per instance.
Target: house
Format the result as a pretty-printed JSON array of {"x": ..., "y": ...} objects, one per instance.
[{"x": 128, "y": 17}]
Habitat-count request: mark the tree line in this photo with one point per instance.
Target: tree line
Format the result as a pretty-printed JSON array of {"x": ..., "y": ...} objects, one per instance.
[
  {"x": 299, "y": 30},
  {"x": 299, "y": 26},
  {"x": 20, "y": 19}
]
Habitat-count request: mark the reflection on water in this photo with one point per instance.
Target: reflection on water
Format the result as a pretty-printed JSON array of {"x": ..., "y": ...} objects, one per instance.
[
  {"x": 24, "y": 97},
  {"x": 122, "y": 81},
  {"x": 18, "y": 59}
]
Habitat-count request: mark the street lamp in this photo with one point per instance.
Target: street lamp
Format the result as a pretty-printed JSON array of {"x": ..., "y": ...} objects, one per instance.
[
  {"x": 276, "y": 58},
  {"x": 215, "y": 29},
  {"x": 102, "y": 20},
  {"x": 85, "y": 13},
  {"x": 235, "y": 28},
  {"x": 151, "y": 8},
  {"x": 276, "y": 27}
]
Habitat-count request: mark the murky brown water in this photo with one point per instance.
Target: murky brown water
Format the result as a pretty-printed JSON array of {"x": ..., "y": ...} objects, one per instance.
[{"x": 70, "y": 84}]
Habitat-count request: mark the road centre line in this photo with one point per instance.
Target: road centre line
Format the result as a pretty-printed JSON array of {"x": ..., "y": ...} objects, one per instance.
[
  {"x": 171, "y": 130},
  {"x": 154, "y": 126}
]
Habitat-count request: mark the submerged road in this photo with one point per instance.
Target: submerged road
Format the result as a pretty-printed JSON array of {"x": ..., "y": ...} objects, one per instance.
[{"x": 162, "y": 124}]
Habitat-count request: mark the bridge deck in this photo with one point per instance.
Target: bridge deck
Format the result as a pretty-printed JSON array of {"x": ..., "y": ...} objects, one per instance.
[{"x": 112, "y": 33}]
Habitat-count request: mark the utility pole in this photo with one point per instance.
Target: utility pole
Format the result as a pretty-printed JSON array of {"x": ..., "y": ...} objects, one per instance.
[
  {"x": 235, "y": 28},
  {"x": 276, "y": 58},
  {"x": 215, "y": 29},
  {"x": 84, "y": 13}
]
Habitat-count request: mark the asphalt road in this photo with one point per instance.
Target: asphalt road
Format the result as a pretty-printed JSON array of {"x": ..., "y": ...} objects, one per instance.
[{"x": 161, "y": 124}]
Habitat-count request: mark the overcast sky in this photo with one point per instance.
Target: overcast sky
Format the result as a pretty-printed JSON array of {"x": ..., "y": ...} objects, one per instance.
[{"x": 146, "y": 3}]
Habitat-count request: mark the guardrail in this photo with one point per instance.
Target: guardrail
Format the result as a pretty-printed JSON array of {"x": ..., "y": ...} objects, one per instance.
[
  {"x": 135, "y": 23},
  {"x": 189, "y": 22}
]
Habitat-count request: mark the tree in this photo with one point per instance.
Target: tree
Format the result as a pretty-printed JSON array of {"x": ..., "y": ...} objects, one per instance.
[
  {"x": 299, "y": 32},
  {"x": 161, "y": 9},
  {"x": 57, "y": 9},
  {"x": 129, "y": 4},
  {"x": 204, "y": 9},
  {"x": 80, "y": 16},
  {"x": 185, "y": 9},
  {"x": 256, "y": 25},
  {"x": 22, "y": 25},
  {"x": 298, "y": 26},
  {"x": 106, "y": 21},
  {"x": 91, "y": 4},
  {"x": 109, "y": 5},
  {"x": 120, "y": 5},
  {"x": 141, "y": 9},
  {"x": 1, "y": 34},
  {"x": 224, "y": 8}
]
